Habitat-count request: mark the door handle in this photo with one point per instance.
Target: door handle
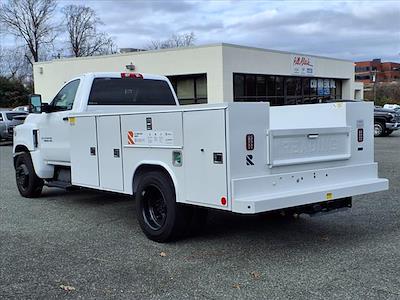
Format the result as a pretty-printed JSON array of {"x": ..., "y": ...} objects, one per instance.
[
  {"x": 65, "y": 119},
  {"x": 313, "y": 136}
]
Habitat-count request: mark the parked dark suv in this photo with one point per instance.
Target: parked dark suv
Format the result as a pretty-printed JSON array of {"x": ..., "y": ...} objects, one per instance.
[{"x": 386, "y": 121}]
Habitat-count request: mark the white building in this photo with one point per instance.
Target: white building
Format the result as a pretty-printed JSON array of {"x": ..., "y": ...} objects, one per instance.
[{"x": 219, "y": 72}]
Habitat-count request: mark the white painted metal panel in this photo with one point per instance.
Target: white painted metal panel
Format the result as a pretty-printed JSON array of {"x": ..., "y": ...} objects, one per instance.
[
  {"x": 84, "y": 167},
  {"x": 308, "y": 116},
  {"x": 204, "y": 136},
  {"x": 264, "y": 193},
  {"x": 54, "y": 136},
  {"x": 148, "y": 150},
  {"x": 311, "y": 118},
  {"x": 163, "y": 129},
  {"x": 360, "y": 115},
  {"x": 263, "y": 203},
  {"x": 110, "y": 153},
  {"x": 302, "y": 146},
  {"x": 244, "y": 119}
]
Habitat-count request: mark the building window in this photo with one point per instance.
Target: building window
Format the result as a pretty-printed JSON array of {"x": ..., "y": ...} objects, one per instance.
[
  {"x": 201, "y": 88},
  {"x": 238, "y": 86},
  {"x": 362, "y": 69},
  {"x": 261, "y": 86},
  {"x": 190, "y": 89},
  {"x": 363, "y": 77},
  {"x": 285, "y": 90},
  {"x": 338, "y": 89},
  {"x": 185, "y": 88},
  {"x": 293, "y": 90}
]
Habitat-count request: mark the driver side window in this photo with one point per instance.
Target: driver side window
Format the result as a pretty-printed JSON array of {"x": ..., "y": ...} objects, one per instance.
[{"x": 66, "y": 96}]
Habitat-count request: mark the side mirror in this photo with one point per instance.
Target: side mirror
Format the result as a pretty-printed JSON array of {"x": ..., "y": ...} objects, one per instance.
[{"x": 35, "y": 104}]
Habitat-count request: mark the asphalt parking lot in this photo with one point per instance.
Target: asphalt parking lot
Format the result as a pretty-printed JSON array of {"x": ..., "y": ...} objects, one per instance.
[{"x": 88, "y": 245}]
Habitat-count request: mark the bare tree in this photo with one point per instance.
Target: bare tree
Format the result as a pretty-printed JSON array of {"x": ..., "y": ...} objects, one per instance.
[
  {"x": 31, "y": 21},
  {"x": 84, "y": 38},
  {"x": 175, "y": 41},
  {"x": 14, "y": 64},
  {"x": 386, "y": 92}
]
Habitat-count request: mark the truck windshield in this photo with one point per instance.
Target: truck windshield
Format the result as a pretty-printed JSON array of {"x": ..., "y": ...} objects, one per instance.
[{"x": 130, "y": 91}]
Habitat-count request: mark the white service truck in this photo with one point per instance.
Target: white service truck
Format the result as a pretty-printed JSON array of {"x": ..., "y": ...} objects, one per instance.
[{"x": 126, "y": 133}]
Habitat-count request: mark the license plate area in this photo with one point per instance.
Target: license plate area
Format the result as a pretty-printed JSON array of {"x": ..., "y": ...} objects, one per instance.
[{"x": 308, "y": 145}]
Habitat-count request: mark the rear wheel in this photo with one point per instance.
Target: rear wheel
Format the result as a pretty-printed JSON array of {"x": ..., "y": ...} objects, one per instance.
[
  {"x": 28, "y": 183},
  {"x": 379, "y": 129},
  {"x": 159, "y": 216}
]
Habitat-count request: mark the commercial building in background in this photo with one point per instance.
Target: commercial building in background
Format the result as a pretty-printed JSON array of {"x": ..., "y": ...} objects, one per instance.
[
  {"x": 368, "y": 71},
  {"x": 219, "y": 73}
]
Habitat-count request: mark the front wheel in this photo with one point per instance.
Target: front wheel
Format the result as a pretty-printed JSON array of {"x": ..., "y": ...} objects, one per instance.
[
  {"x": 28, "y": 183},
  {"x": 379, "y": 129},
  {"x": 159, "y": 216}
]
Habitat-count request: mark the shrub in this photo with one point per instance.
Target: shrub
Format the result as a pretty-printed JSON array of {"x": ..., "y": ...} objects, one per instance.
[{"x": 12, "y": 93}]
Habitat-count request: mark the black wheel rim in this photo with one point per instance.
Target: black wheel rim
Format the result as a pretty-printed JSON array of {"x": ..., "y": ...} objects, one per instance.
[
  {"x": 154, "y": 208},
  {"x": 22, "y": 174}
]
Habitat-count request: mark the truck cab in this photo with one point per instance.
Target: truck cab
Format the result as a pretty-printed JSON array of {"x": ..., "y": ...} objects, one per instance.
[{"x": 46, "y": 134}]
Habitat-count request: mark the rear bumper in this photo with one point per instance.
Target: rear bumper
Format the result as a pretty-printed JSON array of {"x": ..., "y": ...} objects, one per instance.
[{"x": 312, "y": 190}]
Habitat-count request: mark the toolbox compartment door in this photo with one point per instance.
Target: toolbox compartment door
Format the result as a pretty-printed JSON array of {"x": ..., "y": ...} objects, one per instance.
[
  {"x": 84, "y": 158},
  {"x": 302, "y": 146},
  {"x": 204, "y": 158},
  {"x": 110, "y": 153}
]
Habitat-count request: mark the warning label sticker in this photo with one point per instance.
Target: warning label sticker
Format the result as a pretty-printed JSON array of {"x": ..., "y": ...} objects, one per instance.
[
  {"x": 155, "y": 138},
  {"x": 131, "y": 141}
]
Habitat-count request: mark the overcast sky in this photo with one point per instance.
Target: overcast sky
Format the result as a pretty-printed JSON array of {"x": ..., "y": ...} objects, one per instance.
[{"x": 355, "y": 30}]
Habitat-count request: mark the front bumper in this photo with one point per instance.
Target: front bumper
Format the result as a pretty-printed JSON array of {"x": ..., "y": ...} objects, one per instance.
[
  {"x": 6, "y": 134},
  {"x": 393, "y": 126},
  {"x": 267, "y": 193}
]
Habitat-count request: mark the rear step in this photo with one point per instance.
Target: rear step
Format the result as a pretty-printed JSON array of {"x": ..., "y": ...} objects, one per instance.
[
  {"x": 59, "y": 184},
  {"x": 61, "y": 179}
]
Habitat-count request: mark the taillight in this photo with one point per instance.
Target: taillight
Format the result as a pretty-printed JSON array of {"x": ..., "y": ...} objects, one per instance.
[
  {"x": 131, "y": 75},
  {"x": 360, "y": 135},
  {"x": 250, "y": 142}
]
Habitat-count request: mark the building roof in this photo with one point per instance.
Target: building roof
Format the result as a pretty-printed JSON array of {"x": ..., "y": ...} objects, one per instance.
[
  {"x": 379, "y": 62},
  {"x": 130, "y": 54}
]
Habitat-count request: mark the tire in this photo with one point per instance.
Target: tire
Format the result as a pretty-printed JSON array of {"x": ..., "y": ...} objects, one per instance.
[
  {"x": 388, "y": 132},
  {"x": 160, "y": 217},
  {"x": 379, "y": 129},
  {"x": 28, "y": 183}
]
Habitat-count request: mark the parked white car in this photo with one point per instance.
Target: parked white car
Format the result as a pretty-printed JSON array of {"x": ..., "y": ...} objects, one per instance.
[
  {"x": 24, "y": 108},
  {"x": 392, "y": 106}
]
